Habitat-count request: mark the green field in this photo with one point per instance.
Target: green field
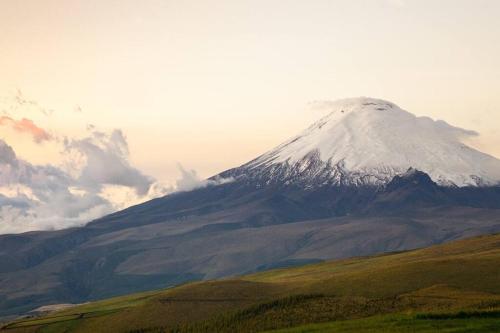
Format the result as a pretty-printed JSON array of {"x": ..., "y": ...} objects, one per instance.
[
  {"x": 453, "y": 287},
  {"x": 401, "y": 323}
]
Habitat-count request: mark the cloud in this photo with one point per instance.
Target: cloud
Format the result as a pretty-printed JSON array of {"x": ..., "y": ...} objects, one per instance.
[
  {"x": 320, "y": 105},
  {"x": 442, "y": 128},
  {"x": 105, "y": 161},
  {"x": 17, "y": 220},
  {"x": 98, "y": 180},
  {"x": 26, "y": 126},
  {"x": 94, "y": 178},
  {"x": 46, "y": 197},
  {"x": 189, "y": 180},
  {"x": 38, "y": 197},
  {"x": 7, "y": 154}
]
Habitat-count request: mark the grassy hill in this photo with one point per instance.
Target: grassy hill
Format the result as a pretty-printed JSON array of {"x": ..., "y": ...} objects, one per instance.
[{"x": 453, "y": 287}]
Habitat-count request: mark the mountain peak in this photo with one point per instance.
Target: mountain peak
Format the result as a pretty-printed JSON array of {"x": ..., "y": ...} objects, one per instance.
[
  {"x": 369, "y": 141},
  {"x": 359, "y": 103}
]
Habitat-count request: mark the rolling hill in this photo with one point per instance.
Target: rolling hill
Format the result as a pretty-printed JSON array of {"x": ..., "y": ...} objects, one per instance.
[{"x": 452, "y": 287}]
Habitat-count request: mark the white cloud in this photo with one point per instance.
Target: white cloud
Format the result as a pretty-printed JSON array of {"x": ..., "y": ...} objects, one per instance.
[
  {"x": 94, "y": 178},
  {"x": 97, "y": 179},
  {"x": 189, "y": 180},
  {"x": 104, "y": 161},
  {"x": 42, "y": 197},
  {"x": 35, "y": 197}
]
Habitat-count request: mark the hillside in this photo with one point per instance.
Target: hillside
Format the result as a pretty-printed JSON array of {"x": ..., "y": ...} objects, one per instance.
[
  {"x": 450, "y": 286},
  {"x": 234, "y": 229}
]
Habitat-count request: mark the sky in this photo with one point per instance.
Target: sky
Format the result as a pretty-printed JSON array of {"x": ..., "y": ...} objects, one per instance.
[{"x": 149, "y": 85}]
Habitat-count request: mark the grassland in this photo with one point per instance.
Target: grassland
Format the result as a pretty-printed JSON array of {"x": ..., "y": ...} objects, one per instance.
[
  {"x": 453, "y": 287},
  {"x": 402, "y": 323}
]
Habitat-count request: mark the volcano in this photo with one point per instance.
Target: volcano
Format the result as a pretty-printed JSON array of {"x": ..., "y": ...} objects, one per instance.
[{"x": 367, "y": 178}]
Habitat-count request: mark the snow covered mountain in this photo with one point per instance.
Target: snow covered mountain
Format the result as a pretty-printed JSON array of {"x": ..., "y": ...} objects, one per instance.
[
  {"x": 393, "y": 166},
  {"x": 366, "y": 141}
]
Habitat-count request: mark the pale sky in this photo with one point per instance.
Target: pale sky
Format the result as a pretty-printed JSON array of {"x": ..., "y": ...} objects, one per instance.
[{"x": 212, "y": 84}]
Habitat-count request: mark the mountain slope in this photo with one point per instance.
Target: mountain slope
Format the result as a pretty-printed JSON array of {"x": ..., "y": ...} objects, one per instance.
[
  {"x": 417, "y": 287},
  {"x": 232, "y": 229},
  {"x": 268, "y": 215}
]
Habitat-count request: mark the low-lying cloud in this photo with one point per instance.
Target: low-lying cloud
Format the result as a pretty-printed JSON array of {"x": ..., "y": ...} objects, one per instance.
[
  {"x": 104, "y": 161},
  {"x": 96, "y": 179},
  {"x": 93, "y": 176},
  {"x": 190, "y": 180},
  {"x": 38, "y": 197}
]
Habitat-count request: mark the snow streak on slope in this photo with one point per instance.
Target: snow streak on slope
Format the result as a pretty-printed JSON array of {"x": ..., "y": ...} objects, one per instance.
[{"x": 369, "y": 141}]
